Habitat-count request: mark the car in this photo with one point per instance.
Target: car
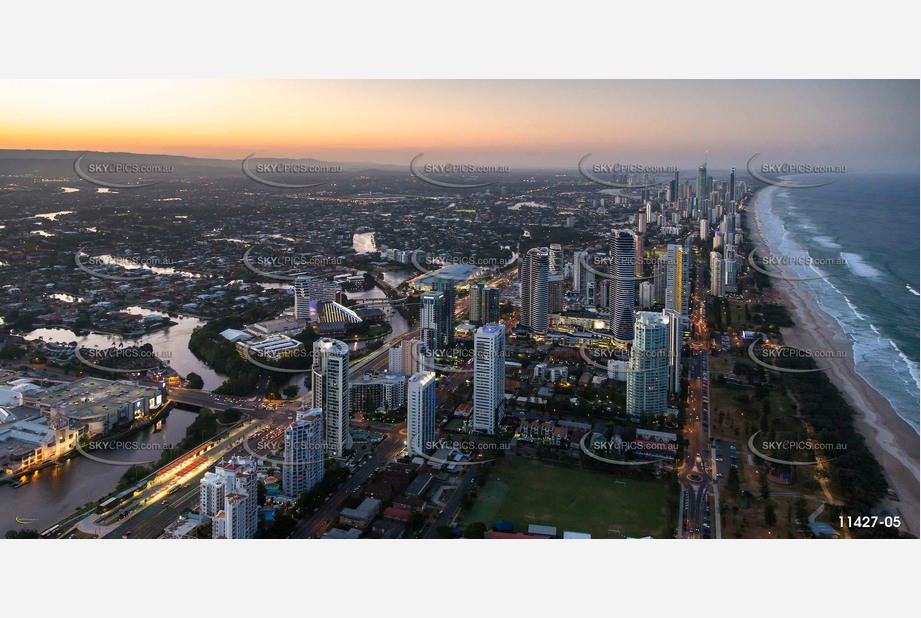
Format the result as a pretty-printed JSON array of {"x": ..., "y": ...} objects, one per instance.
[{"x": 164, "y": 503}]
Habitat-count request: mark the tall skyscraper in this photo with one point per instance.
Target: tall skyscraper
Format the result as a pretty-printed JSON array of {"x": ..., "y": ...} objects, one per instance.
[
  {"x": 678, "y": 288},
  {"x": 484, "y": 303},
  {"x": 330, "y": 392},
  {"x": 229, "y": 497},
  {"x": 590, "y": 295},
  {"x": 420, "y": 413},
  {"x": 660, "y": 278},
  {"x": 647, "y": 380},
  {"x": 603, "y": 293},
  {"x": 647, "y": 295},
  {"x": 716, "y": 274},
  {"x": 304, "y": 445},
  {"x": 446, "y": 286},
  {"x": 701, "y": 191},
  {"x": 309, "y": 293},
  {"x": 488, "y": 377},
  {"x": 622, "y": 286},
  {"x": 676, "y": 326},
  {"x": 433, "y": 320},
  {"x": 556, "y": 259},
  {"x": 555, "y": 290},
  {"x": 535, "y": 289},
  {"x": 732, "y": 185},
  {"x": 730, "y": 269},
  {"x": 578, "y": 278},
  {"x": 582, "y": 277},
  {"x": 639, "y": 265}
]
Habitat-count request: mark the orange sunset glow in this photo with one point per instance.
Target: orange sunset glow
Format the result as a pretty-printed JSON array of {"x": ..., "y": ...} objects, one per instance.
[{"x": 530, "y": 122}]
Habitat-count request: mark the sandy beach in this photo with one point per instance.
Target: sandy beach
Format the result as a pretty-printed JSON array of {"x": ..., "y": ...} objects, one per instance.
[{"x": 893, "y": 442}]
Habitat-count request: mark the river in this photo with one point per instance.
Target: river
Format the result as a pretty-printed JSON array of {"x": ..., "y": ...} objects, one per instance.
[
  {"x": 397, "y": 323},
  {"x": 55, "y": 493},
  {"x": 171, "y": 344}
]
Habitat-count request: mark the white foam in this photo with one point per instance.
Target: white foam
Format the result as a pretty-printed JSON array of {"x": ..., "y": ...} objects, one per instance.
[
  {"x": 877, "y": 359},
  {"x": 859, "y": 267},
  {"x": 826, "y": 242}
]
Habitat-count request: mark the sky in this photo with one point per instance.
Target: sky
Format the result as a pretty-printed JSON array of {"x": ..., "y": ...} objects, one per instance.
[{"x": 865, "y": 125}]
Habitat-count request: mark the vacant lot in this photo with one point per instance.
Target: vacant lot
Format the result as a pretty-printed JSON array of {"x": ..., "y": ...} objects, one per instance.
[{"x": 526, "y": 491}]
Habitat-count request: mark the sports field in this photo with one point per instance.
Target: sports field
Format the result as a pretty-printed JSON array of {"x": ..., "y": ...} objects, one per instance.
[{"x": 526, "y": 491}]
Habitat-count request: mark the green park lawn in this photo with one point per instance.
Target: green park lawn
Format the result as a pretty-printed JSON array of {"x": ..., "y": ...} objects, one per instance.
[{"x": 526, "y": 491}]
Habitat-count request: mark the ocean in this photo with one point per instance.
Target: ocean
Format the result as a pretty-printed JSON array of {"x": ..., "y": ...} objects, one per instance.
[{"x": 861, "y": 234}]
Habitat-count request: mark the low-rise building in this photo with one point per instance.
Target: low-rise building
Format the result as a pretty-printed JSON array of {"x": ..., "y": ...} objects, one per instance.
[
  {"x": 28, "y": 444},
  {"x": 95, "y": 406},
  {"x": 273, "y": 347},
  {"x": 361, "y": 516}
]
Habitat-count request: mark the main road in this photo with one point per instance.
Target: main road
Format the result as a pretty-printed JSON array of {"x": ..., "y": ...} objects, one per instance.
[{"x": 694, "y": 474}]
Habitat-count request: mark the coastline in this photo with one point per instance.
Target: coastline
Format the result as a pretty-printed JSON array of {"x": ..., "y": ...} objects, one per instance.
[{"x": 892, "y": 441}]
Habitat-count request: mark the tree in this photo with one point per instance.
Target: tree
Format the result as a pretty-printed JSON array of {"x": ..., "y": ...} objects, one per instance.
[
  {"x": 290, "y": 391},
  {"x": 476, "y": 530},
  {"x": 765, "y": 488},
  {"x": 193, "y": 380},
  {"x": 131, "y": 476},
  {"x": 801, "y": 511},
  {"x": 260, "y": 493},
  {"x": 415, "y": 522},
  {"x": 25, "y": 533},
  {"x": 770, "y": 517},
  {"x": 733, "y": 481}
]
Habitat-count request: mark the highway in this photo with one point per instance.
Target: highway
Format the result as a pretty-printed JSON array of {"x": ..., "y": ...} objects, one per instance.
[
  {"x": 150, "y": 520},
  {"x": 694, "y": 475}
]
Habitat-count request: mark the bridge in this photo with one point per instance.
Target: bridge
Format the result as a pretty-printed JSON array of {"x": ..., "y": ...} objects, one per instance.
[{"x": 370, "y": 302}]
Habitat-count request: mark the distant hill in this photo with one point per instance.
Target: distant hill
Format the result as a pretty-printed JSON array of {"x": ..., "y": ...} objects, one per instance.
[{"x": 61, "y": 162}]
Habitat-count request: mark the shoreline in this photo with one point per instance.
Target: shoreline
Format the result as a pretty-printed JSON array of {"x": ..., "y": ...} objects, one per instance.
[{"x": 892, "y": 441}]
